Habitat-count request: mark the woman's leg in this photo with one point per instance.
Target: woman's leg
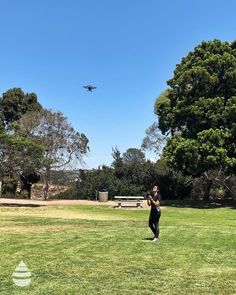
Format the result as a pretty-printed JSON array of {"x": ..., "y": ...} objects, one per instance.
[
  {"x": 156, "y": 223},
  {"x": 152, "y": 224}
]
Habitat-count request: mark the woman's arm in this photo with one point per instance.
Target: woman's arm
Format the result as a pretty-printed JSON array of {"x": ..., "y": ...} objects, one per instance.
[
  {"x": 149, "y": 200},
  {"x": 156, "y": 203}
]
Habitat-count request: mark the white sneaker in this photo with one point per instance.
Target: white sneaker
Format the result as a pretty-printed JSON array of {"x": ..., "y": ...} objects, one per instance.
[{"x": 155, "y": 240}]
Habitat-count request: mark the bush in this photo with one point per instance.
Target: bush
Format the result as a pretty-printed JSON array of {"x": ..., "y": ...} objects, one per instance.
[
  {"x": 9, "y": 186},
  {"x": 132, "y": 178},
  {"x": 70, "y": 194}
]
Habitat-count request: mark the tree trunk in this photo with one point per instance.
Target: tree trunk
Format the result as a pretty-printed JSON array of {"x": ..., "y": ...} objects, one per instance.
[
  {"x": 46, "y": 188},
  {"x": 25, "y": 185},
  {"x": 209, "y": 183},
  {"x": 30, "y": 186},
  {"x": 0, "y": 188},
  {"x": 224, "y": 184},
  {"x": 45, "y": 191}
]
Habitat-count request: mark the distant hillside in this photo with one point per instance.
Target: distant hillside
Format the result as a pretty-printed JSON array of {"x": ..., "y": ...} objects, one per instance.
[
  {"x": 61, "y": 177},
  {"x": 37, "y": 190}
]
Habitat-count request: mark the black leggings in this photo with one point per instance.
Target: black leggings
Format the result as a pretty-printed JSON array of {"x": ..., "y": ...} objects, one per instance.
[{"x": 154, "y": 222}]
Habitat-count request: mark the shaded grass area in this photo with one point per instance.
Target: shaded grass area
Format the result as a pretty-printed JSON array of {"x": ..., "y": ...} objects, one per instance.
[
  {"x": 201, "y": 204},
  {"x": 110, "y": 252}
]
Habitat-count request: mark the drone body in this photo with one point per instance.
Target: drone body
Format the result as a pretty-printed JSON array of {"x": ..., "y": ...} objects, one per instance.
[{"x": 90, "y": 87}]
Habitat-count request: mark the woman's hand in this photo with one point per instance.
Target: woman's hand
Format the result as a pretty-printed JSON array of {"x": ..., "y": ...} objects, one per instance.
[
  {"x": 149, "y": 200},
  {"x": 156, "y": 203}
]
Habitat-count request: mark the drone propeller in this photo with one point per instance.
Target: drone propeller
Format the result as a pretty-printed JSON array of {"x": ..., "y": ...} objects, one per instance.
[{"x": 90, "y": 87}]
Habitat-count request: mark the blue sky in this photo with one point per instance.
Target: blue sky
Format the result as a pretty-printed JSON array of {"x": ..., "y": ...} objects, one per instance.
[{"x": 127, "y": 48}]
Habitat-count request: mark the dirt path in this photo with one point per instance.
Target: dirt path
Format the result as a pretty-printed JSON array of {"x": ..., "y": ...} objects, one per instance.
[
  {"x": 21, "y": 202},
  {"x": 52, "y": 202}
]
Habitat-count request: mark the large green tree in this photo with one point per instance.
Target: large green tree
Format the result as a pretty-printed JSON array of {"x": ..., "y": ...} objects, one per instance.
[
  {"x": 198, "y": 111},
  {"x": 24, "y": 125},
  {"x": 133, "y": 155},
  {"x": 18, "y": 155},
  {"x": 63, "y": 144},
  {"x": 15, "y": 103}
]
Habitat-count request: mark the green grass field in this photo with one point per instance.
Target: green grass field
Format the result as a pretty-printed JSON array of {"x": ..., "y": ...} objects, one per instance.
[{"x": 100, "y": 250}]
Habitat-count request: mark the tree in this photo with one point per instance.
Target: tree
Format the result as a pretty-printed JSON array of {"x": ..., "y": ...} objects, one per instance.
[
  {"x": 173, "y": 184},
  {"x": 14, "y": 150},
  {"x": 64, "y": 146},
  {"x": 1, "y": 119},
  {"x": 118, "y": 163},
  {"x": 133, "y": 155},
  {"x": 18, "y": 154},
  {"x": 162, "y": 109},
  {"x": 27, "y": 179},
  {"x": 199, "y": 111},
  {"x": 153, "y": 140},
  {"x": 15, "y": 103},
  {"x": 128, "y": 178}
]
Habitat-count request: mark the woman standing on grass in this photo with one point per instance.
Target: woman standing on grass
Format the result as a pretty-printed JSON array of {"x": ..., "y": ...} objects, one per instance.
[{"x": 153, "y": 200}]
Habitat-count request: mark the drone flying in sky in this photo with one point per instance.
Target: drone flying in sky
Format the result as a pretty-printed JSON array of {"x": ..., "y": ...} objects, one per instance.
[{"x": 90, "y": 87}]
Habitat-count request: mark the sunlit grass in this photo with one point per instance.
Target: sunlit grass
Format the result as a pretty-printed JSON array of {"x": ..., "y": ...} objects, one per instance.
[{"x": 101, "y": 250}]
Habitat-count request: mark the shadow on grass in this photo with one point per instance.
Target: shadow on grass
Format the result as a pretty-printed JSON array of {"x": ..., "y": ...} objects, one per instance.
[
  {"x": 200, "y": 204},
  {"x": 19, "y": 205}
]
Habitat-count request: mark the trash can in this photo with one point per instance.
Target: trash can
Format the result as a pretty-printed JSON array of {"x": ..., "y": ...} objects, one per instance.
[{"x": 103, "y": 195}]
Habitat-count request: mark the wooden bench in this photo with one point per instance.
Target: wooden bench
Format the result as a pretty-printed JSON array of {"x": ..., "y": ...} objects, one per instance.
[{"x": 128, "y": 199}]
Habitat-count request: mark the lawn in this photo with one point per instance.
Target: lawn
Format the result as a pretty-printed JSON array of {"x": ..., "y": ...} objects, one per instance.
[{"x": 100, "y": 250}]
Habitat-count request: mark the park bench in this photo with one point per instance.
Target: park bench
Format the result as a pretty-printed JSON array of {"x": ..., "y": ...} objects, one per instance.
[{"x": 127, "y": 200}]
